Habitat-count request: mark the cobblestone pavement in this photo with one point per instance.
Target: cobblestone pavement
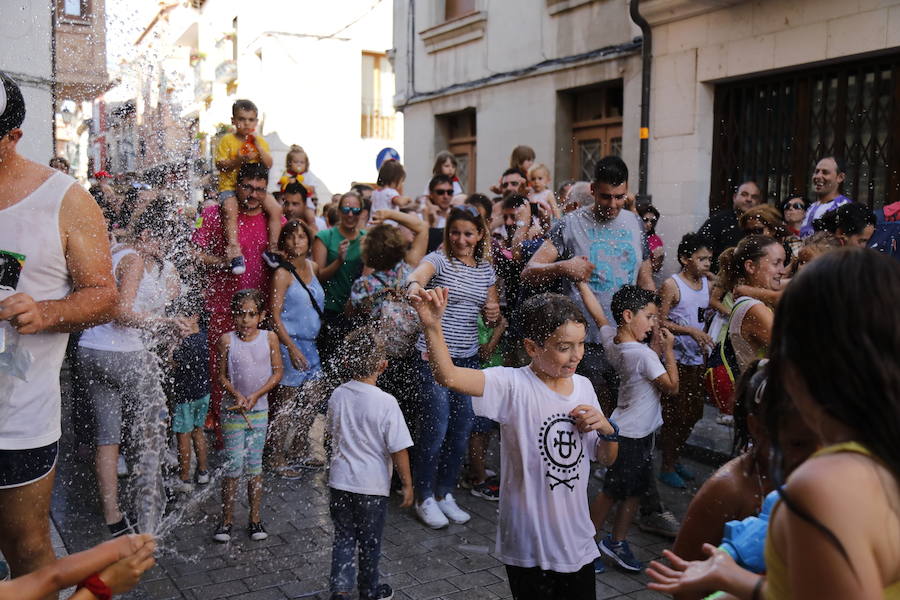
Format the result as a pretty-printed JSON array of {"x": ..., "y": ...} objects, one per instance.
[{"x": 457, "y": 562}]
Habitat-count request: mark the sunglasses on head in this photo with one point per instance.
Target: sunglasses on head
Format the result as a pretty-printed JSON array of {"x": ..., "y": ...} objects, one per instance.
[
  {"x": 469, "y": 209},
  {"x": 351, "y": 210}
]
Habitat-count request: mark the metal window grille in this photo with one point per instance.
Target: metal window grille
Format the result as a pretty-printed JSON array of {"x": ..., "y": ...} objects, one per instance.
[{"x": 773, "y": 130}]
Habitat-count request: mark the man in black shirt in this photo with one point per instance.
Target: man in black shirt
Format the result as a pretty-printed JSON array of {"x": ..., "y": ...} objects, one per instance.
[{"x": 722, "y": 229}]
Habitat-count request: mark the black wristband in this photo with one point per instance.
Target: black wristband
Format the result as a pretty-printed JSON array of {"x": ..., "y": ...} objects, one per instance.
[
  {"x": 610, "y": 437},
  {"x": 757, "y": 589}
]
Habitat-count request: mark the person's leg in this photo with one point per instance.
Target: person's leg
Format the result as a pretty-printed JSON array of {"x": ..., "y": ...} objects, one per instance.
[
  {"x": 200, "y": 449},
  {"x": 593, "y": 366},
  {"x": 344, "y": 545},
  {"x": 456, "y": 439},
  {"x": 254, "y": 497},
  {"x": 599, "y": 510},
  {"x": 255, "y": 440},
  {"x": 234, "y": 429},
  {"x": 691, "y": 377},
  {"x": 229, "y": 491},
  {"x": 108, "y": 482},
  {"x": 529, "y": 583},
  {"x": 229, "y": 210},
  {"x": 25, "y": 526},
  {"x": 182, "y": 424},
  {"x": 624, "y": 517},
  {"x": 580, "y": 585},
  {"x": 369, "y": 520},
  {"x": 433, "y": 429},
  {"x": 478, "y": 443},
  {"x": 673, "y": 416},
  {"x": 273, "y": 219}
]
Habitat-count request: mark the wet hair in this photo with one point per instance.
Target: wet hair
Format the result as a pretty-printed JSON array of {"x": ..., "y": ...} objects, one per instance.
[
  {"x": 361, "y": 188},
  {"x": 12, "y": 105},
  {"x": 544, "y": 313},
  {"x": 252, "y": 171},
  {"x": 391, "y": 173},
  {"x": 850, "y": 218},
  {"x": 519, "y": 155},
  {"x": 471, "y": 215},
  {"x": 243, "y": 105},
  {"x": 247, "y": 294},
  {"x": 439, "y": 160},
  {"x": 562, "y": 187},
  {"x": 482, "y": 201},
  {"x": 332, "y": 214},
  {"x": 363, "y": 350},
  {"x": 289, "y": 228},
  {"x": 748, "y": 400},
  {"x": 513, "y": 171},
  {"x": 59, "y": 162},
  {"x": 295, "y": 187},
  {"x": 731, "y": 261},
  {"x": 633, "y": 298},
  {"x": 383, "y": 247},
  {"x": 853, "y": 374},
  {"x": 611, "y": 170},
  {"x": 769, "y": 217},
  {"x": 295, "y": 150},
  {"x": 539, "y": 168},
  {"x": 514, "y": 201},
  {"x": 348, "y": 196},
  {"x": 690, "y": 243},
  {"x": 437, "y": 180}
]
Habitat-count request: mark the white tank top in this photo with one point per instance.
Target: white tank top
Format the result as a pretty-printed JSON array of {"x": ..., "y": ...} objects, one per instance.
[
  {"x": 250, "y": 365},
  {"x": 33, "y": 263},
  {"x": 743, "y": 351},
  {"x": 688, "y": 314},
  {"x": 111, "y": 336}
]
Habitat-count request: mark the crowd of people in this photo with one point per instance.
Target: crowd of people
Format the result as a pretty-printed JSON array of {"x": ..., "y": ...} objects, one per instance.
[{"x": 391, "y": 337}]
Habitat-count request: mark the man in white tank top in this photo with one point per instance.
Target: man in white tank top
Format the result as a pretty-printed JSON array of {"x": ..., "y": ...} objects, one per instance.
[{"x": 56, "y": 278}]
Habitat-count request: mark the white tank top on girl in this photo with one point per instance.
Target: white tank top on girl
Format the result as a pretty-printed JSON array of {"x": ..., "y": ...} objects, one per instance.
[
  {"x": 250, "y": 365},
  {"x": 150, "y": 298},
  {"x": 30, "y": 238},
  {"x": 687, "y": 313},
  {"x": 742, "y": 348}
]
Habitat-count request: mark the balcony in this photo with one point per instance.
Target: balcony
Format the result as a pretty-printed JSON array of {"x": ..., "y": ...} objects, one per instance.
[
  {"x": 202, "y": 90},
  {"x": 226, "y": 71}
]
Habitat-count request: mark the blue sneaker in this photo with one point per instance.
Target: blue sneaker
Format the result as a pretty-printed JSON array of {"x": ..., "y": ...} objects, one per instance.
[
  {"x": 672, "y": 479},
  {"x": 599, "y": 567},
  {"x": 621, "y": 553},
  {"x": 685, "y": 473},
  {"x": 238, "y": 266}
]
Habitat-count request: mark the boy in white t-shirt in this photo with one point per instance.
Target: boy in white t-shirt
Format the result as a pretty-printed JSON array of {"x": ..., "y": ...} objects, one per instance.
[
  {"x": 638, "y": 412},
  {"x": 551, "y": 428},
  {"x": 368, "y": 433}
]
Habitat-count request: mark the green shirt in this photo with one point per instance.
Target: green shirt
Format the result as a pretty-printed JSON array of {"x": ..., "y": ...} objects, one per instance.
[
  {"x": 337, "y": 289},
  {"x": 485, "y": 334}
]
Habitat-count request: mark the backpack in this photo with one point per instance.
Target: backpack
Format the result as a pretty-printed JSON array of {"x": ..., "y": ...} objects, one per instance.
[
  {"x": 722, "y": 369},
  {"x": 886, "y": 237}
]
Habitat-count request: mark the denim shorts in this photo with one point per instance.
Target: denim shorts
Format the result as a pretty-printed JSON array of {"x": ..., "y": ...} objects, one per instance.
[{"x": 190, "y": 415}]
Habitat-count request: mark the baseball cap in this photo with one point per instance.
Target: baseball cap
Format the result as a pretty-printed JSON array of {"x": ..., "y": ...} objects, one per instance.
[{"x": 12, "y": 105}]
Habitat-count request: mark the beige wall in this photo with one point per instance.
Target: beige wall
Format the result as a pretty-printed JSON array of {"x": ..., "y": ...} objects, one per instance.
[{"x": 752, "y": 37}]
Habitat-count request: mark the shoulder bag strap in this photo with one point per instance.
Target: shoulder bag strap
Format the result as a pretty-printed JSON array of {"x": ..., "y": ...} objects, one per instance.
[{"x": 312, "y": 298}]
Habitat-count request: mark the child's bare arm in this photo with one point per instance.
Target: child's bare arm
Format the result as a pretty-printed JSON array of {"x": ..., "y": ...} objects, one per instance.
[
  {"x": 401, "y": 464},
  {"x": 669, "y": 297},
  {"x": 222, "y": 367},
  {"x": 487, "y": 350},
  {"x": 770, "y": 297},
  {"x": 430, "y": 305},
  {"x": 715, "y": 299},
  {"x": 668, "y": 382},
  {"x": 277, "y": 369},
  {"x": 592, "y": 305},
  {"x": 264, "y": 156}
]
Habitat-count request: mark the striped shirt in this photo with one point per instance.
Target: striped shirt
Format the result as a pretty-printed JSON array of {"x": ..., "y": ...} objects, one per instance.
[{"x": 468, "y": 293}]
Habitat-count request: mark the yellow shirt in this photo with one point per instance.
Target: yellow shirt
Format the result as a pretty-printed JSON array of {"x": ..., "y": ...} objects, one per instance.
[
  {"x": 228, "y": 149},
  {"x": 778, "y": 584}
]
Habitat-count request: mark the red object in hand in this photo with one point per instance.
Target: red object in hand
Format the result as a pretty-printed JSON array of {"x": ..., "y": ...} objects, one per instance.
[
  {"x": 96, "y": 586},
  {"x": 249, "y": 145}
]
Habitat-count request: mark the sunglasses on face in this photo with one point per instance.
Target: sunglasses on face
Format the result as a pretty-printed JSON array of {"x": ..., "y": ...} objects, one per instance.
[
  {"x": 245, "y": 313},
  {"x": 795, "y": 206},
  {"x": 603, "y": 196},
  {"x": 350, "y": 210},
  {"x": 649, "y": 220},
  {"x": 442, "y": 192}
]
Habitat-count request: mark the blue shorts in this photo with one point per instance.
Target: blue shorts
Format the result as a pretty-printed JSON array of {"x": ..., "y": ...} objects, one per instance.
[{"x": 190, "y": 415}]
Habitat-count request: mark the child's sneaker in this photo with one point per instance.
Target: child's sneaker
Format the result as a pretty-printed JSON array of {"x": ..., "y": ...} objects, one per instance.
[
  {"x": 429, "y": 513},
  {"x": 661, "y": 523},
  {"x": 684, "y": 472},
  {"x": 599, "y": 567},
  {"x": 222, "y": 533},
  {"x": 123, "y": 527},
  {"x": 621, "y": 553},
  {"x": 238, "y": 266},
  {"x": 487, "y": 490},
  {"x": 257, "y": 532},
  {"x": 272, "y": 259},
  {"x": 382, "y": 592},
  {"x": 672, "y": 479},
  {"x": 201, "y": 477},
  {"x": 452, "y": 510}
]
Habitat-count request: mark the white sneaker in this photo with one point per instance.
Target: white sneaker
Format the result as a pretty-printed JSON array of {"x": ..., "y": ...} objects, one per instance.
[
  {"x": 121, "y": 467},
  {"x": 183, "y": 487},
  {"x": 430, "y": 514},
  {"x": 452, "y": 510}
]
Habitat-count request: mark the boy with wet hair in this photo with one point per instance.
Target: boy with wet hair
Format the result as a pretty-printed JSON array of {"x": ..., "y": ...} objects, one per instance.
[
  {"x": 233, "y": 151},
  {"x": 643, "y": 378},
  {"x": 551, "y": 427},
  {"x": 368, "y": 434}
]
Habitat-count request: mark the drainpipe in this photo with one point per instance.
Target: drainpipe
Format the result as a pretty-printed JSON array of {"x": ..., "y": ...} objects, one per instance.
[{"x": 646, "y": 55}]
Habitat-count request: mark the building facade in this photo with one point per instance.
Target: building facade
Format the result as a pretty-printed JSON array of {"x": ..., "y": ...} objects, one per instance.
[{"x": 740, "y": 89}]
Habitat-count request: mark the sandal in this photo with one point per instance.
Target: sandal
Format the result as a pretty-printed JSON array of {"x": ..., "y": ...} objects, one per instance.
[{"x": 288, "y": 472}]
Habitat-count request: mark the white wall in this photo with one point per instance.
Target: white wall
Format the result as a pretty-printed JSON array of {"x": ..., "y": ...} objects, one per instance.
[{"x": 25, "y": 34}]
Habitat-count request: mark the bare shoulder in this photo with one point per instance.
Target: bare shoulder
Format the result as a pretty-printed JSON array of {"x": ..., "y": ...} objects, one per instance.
[
  {"x": 670, "y": 288},
  {"x": 78, "y": 206},
  {"x": 224, "y": 341},
  {"x": 313, "y": 265},
  {"x": 273, "y": 338}
]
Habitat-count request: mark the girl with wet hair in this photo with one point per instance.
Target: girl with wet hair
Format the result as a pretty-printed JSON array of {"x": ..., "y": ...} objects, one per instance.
[
  {"x": 836, "y": 531},
  {"x": 851, "y": 224}
]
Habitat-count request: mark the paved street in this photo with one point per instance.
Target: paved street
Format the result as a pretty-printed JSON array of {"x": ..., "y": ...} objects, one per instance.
[{"x": 457, "y": 562}]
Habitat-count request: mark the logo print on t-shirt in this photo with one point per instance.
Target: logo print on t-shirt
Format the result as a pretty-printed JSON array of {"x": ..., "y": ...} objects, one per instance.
[
  {"x": 11, "y": 265},
  {"x": 560, "y": 444}
]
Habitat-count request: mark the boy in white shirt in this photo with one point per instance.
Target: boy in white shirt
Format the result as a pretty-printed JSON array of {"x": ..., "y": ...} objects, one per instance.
[
  {"x": 551, "y": 428},
  {"x": 368, "y": 433},
  {"x": 638, "y": 413}
]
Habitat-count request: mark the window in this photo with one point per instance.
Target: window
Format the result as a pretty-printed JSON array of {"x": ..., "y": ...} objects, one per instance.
[
  {"x": 453, "y": 9},
  {"x": 595, "y": 118},
  {"x": 377, "y": 111},
  {"x": 774, "y": 129},
  {"x": 458, "y": 131},
  {"x": 74, "y": 11}
]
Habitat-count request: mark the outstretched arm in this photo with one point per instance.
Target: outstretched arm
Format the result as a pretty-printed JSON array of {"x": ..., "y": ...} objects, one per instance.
[
  {"x": 595, "y": 310},
  {"x": 430, "y": 305}
]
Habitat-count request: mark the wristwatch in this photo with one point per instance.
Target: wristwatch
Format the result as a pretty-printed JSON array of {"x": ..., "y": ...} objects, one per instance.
[{"x": 610, "y": 437}]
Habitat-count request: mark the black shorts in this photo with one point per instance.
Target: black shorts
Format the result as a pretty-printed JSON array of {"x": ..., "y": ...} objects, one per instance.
[
  {"x": 536, "y": 584},
  {"x": 630, "y": 475},
  {"x": 21, "y": 467}
]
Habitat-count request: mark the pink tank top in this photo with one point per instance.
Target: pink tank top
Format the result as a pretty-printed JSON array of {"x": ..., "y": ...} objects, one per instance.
[{"x": 250, "y": 365}]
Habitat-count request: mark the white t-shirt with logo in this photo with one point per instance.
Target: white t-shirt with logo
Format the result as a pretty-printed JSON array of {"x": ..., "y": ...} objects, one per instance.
[
  {"x": 544, "y": 470},
  {"x": 366, "y": 428},
  {"x": 638, "y": 412}
]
